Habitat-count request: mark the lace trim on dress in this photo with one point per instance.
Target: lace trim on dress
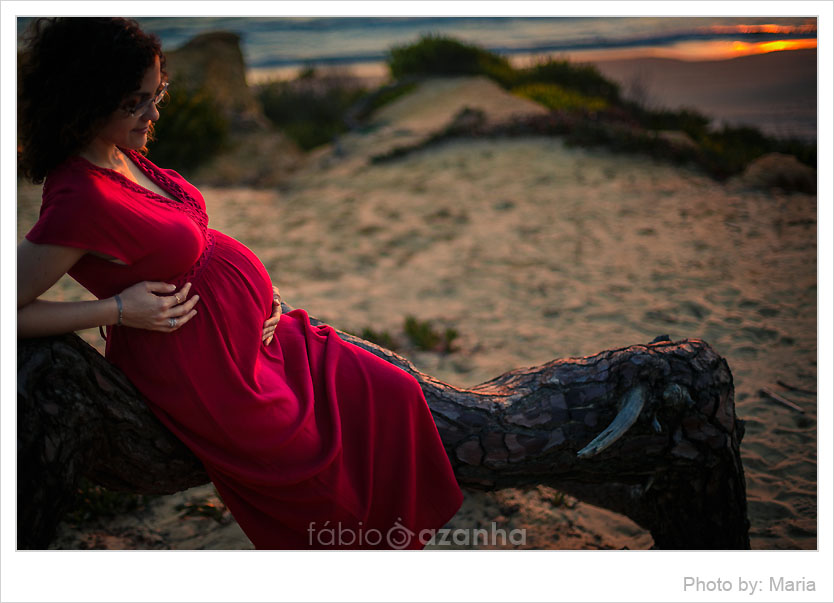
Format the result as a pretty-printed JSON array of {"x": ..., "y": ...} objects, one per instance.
[
  {"x": 183, "y": 201},
  {"x": 188, "y": 203},
  {"x": 193, "y": 274}
]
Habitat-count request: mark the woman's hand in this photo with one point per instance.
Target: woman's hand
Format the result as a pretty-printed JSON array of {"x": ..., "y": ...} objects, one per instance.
[
  {"x": 143, "y": 309},
  {"x": 272, "y": 321}
]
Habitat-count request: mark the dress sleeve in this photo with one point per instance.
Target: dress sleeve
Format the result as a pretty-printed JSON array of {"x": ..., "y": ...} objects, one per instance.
[{"x": 79, "y": 211}]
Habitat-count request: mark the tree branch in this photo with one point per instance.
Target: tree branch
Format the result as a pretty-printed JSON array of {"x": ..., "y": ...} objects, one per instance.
[{"x": 667, "y": 455}]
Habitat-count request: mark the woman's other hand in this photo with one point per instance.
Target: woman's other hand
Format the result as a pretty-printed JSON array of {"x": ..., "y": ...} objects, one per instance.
[
  {"x": 272, "y": 321},
  {"x": 143, "y": 309}
]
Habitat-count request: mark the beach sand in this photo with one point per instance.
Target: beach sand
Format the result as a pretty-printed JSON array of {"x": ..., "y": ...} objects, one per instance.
[{"x": 532, "y": 251}]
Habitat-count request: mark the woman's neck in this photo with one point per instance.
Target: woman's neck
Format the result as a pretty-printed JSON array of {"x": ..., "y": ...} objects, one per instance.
[{"x": 104, "y": 155}]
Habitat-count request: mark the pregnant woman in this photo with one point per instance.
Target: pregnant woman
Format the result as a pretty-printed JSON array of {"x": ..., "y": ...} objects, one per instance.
[{"x": 303, "y": 435}]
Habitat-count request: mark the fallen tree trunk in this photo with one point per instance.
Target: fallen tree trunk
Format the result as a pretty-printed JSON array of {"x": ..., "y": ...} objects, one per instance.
[{"x": 668, "y": 458}]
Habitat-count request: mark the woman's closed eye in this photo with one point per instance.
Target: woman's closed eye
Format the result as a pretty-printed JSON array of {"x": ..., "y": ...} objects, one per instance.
[{"x": 142, "y": 102}]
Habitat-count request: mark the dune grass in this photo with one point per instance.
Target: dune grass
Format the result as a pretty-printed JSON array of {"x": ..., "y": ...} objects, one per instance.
[
  {"x": 311, "y": 108},
  {"x": 434, "y": 55},
  {"x": 425, "y": 337},
  {"x": 191, "y": 131},
  {"x": 554, "y": 97},
  {"x": 321, "y": 104},
  {"x": 583, "y": 91},
  {"x": 420, "y": 335}
]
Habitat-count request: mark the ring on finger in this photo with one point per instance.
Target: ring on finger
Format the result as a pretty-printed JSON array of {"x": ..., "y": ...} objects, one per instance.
[
  {"x": 177, "y": 297},
  {"x": 172, "y": 322}
]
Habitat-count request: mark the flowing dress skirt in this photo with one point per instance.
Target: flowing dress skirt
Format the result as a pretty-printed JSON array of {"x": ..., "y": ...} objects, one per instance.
[{"x": 310, "y": 441}]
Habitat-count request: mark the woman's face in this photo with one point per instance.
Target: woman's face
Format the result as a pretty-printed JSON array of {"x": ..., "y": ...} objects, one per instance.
[{"x": 131, "y": 132}]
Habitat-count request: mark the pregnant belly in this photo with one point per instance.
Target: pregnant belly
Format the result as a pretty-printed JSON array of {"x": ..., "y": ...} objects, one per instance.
[
  {"x": 235, "y": 278},
  {"x": 209, "y": 373},
  {"x": 235, "y": 299}
]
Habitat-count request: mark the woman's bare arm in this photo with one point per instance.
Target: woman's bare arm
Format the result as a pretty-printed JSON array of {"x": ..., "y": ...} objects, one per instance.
[{"x": 40, "y": 266}]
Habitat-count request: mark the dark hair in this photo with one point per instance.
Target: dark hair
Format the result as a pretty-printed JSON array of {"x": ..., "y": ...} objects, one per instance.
[{"x": 74, "y": 72}]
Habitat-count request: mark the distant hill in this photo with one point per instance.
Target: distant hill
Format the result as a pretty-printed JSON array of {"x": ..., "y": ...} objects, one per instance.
[{"x": 775, "y": 92}]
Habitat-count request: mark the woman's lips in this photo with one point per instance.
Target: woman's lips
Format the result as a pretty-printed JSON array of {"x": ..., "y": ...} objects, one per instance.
[{"x": 141, "y": 130}]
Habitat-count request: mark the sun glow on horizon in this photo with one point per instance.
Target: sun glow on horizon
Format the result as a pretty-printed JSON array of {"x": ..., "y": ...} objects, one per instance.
[
  {"x": 775, "y": 46},
  {"x": 717, "y": 50}
]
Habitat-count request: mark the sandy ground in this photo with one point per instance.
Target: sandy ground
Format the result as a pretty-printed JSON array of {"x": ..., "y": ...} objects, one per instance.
[{"x": 533, "y": 251}]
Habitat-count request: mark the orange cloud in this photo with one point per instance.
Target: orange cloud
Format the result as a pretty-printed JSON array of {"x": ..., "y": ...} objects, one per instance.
[
  {"x": 807, "y": 28},
  {"x": 744, "y": 48}
]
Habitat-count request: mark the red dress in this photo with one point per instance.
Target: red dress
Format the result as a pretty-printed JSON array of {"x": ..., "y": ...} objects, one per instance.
[{"x": 311, "y": 441}]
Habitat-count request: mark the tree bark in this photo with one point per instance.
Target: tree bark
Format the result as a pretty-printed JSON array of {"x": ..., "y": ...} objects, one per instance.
[{"x": 669, "y": 459}]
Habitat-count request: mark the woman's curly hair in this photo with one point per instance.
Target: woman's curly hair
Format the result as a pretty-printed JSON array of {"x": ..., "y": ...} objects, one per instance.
[{"x": 74, "y": 72}]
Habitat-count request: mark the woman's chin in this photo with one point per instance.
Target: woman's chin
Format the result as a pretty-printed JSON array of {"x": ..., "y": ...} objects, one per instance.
[{"x": 136, "y": 141}]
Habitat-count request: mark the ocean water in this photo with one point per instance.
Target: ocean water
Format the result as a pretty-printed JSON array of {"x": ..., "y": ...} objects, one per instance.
[{"x": 274, "y": 42}]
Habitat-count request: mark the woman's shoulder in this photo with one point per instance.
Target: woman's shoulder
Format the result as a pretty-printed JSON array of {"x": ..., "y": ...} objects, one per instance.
[
  {"x": 74, "y": 172},
  {"x": 76, "y": 179}
]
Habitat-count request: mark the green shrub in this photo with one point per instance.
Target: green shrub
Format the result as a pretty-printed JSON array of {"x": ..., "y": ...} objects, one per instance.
[
  {"x": 584, "y": 79},
  {"x": 422, "y": 334},
  {"x": 190, "y": 131},
  {"x": 382, "y": 338},
  {"x": 311, "y": 108},
  {"x": 731, "y": 149},
  {"x": 805, "y": 152},
  {"x": 449, "y": 336},
  {"x": 309, "y": 133},
  {"x": 624, "y": 126},
  {"x": 554, "y": 97},
  {"x": 441, "y": 55},
  {"x": 725, "y": 151},
  {"x": 695, "y": 124}
]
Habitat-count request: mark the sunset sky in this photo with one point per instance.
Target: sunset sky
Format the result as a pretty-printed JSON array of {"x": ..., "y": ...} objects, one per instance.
[{"x": 282, "y": 42}]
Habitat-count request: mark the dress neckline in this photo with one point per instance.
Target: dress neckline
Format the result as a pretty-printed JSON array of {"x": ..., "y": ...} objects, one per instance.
[
  {"x": 181, "y": 198},
  {"x": 130, "y": 183}
]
